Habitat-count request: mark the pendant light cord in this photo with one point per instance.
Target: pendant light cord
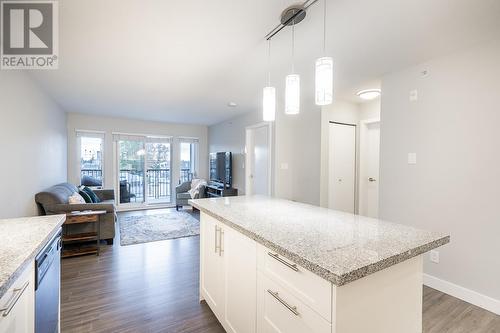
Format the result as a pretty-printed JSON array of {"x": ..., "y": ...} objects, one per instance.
[
  {"x": 293, "y": 47},
  {"x": 324, "y": 27},
  {"x": 269, "y": 63}
]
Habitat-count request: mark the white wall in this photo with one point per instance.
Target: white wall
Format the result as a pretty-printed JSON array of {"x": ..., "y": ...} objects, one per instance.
[
  {"x": 298, "y": 146},
  {"x": 454, "y": 128},
  {"x": 32, "y": 143},
  {"x": 342, "y": 112},
  {"x": 230, "y": 136},
  {"x": 109, "y": 125},
  {"x": 296, "y": 152}
]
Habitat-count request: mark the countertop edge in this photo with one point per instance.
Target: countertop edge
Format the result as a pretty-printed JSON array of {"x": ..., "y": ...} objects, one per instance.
[
  {"x": 28, "y": 259},
  {"x": 337, "y": 280}
]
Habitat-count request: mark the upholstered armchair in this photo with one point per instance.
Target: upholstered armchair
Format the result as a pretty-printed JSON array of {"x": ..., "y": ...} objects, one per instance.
[{"x": 182, "y": 195}]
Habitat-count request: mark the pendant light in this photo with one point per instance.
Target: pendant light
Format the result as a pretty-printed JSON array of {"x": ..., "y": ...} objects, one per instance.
[
  {"x": 269, "y": 93},
  {"x": 292, "y": 85},
  {"x": 324, "y": 72}
]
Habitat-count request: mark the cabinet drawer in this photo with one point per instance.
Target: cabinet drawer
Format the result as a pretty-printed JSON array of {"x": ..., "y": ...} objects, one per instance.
[
  {"x": 280, "y": 311},
  {"x": 309, "y": 288}
]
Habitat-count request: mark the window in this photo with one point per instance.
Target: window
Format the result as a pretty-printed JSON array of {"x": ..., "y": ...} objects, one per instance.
[
  {"x": 91, "y": 160},
  {"x": 189, "y": 159}
]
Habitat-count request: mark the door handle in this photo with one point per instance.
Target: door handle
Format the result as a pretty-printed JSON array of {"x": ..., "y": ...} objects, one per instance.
[
  {"x": 221, "y": 247},
  {"x": 372, "y": 179},
  {"x": 215, "y": 241}
]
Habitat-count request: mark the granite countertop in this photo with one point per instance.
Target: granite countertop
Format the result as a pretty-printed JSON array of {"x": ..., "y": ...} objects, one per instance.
[
  {"x": 337, "y": 246},
  {"x": 21, "y": 240}
]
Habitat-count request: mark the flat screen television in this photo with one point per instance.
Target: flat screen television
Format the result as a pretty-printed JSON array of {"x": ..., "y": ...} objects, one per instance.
[{"x": 221, "y": 168}]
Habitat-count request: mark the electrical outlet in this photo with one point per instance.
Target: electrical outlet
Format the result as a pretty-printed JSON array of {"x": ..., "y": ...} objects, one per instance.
[{"x": 435, "y": 256}]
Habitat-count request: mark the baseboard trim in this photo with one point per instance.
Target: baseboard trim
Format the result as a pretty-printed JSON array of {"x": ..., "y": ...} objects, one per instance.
[{"x": 467, "y": 295}]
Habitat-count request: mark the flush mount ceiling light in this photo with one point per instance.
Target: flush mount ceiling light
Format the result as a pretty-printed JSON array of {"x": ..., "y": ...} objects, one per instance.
[
  {"x": 368, "y": 94},
  {"x": 232, "y": 104}
]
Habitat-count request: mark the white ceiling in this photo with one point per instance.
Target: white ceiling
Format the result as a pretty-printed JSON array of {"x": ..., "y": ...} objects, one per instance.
[{"x": 183, "y": 61}]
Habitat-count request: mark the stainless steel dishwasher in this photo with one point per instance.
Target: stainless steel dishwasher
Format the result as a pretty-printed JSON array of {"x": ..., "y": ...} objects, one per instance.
[{"x": 47, "y": 286}]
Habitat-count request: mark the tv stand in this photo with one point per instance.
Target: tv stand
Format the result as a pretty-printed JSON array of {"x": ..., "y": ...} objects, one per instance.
[{"x": 214, "y": 191}]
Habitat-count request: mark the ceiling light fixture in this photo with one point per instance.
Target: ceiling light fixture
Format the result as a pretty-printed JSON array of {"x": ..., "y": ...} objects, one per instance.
[
  {"x": 369, "y": 94},
  {"x": 232, "y": 104},
  {"x": 269, "y": 93},
  {"x": 292, "y": 85},
  {"x": 324, "y": 71}
]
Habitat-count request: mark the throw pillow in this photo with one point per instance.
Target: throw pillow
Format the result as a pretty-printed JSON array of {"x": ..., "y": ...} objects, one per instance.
[
  {"x": 93, "y": 196},
  {"x": 85, "y": 196},
  {"x": 76, "y": 198}
]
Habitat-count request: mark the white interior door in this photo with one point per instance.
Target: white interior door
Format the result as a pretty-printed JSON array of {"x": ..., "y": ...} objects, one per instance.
[
  {"x": 342, "y": 167},
  {"x": 370, "y": 165},
  {"x": 258, "y": 160}
]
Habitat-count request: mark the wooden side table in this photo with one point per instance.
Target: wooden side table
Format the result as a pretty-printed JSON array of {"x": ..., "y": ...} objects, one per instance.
[{"x": 90, "y": 216}]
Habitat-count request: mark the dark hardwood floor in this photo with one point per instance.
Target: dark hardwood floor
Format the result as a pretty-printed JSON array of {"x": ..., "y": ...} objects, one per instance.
[{"x": 153, "y": 287}]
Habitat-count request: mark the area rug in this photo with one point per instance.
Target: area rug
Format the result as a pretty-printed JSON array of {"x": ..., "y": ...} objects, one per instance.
[{"x": 152, "y": 228}]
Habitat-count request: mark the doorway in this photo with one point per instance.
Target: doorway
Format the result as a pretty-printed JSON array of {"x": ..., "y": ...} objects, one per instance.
[
  {"x": 369, "y": 167},
  {"x": 143, "y": 171},
  {"x": 258, "y": 159},
  {"x": 342, "y": 167}
]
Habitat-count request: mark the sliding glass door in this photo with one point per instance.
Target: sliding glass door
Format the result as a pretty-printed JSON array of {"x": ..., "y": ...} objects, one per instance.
[
  {"x": 158, "y": 172},
  {"x": 144, "y": 170},
  {"x": 131, "y": 171}
]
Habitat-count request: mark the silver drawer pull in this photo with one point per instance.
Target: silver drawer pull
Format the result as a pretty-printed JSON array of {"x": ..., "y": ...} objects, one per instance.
[
  {"x": 284, "y": 262},
  {"x": 17, "y": 293},
  {"x": 293, "y": 309}
]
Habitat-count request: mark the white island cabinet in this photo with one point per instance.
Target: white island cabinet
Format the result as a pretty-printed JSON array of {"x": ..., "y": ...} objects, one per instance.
[
  {"x": 17, "y": 306},
  {"x": 228, "y": 275},
  {"x": 270, "y": 265}
]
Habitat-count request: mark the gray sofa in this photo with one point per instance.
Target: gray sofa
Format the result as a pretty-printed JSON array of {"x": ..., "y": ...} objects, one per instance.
[
  {"x": 54, "y": 200},
  {"x": 182, "y": 195}
]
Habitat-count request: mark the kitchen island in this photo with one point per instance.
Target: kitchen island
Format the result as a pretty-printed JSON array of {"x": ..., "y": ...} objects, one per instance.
[
  {"x": 21, "y": 241},
  {"x": 272, "y": 265}
]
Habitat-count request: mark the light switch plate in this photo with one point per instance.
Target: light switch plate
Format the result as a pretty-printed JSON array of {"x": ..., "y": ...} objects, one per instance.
[
  {"x": 414, "y": 95},
  {"x": 434, "y": 256},
  {"x": 284, "y": 166},
  {"x": 412, "y": 158}
]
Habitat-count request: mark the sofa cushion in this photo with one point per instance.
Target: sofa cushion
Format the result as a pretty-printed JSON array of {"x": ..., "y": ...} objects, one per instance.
[
  {"x": 93, "y": 196},
  {"x": 183, "y": 195},
  {"x": 85, "y": 196}
]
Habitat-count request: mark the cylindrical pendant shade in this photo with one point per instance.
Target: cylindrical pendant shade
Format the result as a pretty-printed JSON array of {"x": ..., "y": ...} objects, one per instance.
[
  {"x": 269, "y": 104},
  {"x": 324, "y": 81},
  {"x": 292, "y": 94}
]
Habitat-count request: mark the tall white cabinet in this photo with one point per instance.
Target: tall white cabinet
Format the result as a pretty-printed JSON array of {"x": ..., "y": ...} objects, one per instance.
[{"x": 228, "y": 275}]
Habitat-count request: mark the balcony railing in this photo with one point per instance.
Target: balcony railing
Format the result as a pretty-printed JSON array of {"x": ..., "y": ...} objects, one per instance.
[
  {"x": 94, "y": 173},
  {"x": 157, "y": 183}
]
